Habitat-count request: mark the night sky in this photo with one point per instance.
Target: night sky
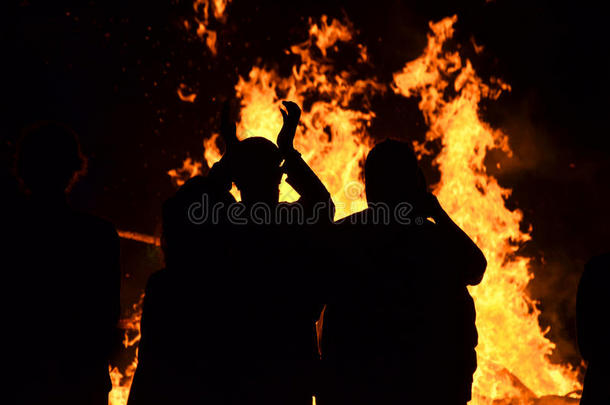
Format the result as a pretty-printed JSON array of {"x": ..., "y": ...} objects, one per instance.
[{"x": 110, "y": 70}]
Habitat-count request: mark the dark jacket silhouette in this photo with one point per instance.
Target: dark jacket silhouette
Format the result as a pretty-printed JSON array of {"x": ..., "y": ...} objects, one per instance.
[
  {"x": 187, "y": 330},
  {"x": 593, "y": 329},
  {"x": 231, "y": 318},
  {"x": 280, "y": 260},
  {"x": 64, "y": 281},
  {"x": 399, "y": 326}
]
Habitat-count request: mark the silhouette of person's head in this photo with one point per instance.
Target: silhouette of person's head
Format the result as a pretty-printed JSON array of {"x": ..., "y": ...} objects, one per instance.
[
  {"x": 392, "y": 175},
  {"x": 192, "y": 220},
  {"x": 49, "y": 159},
  {"x": 256, "y": 171}
]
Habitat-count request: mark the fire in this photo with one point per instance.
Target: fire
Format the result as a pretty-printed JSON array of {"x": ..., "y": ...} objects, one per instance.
[
  {"x": 333, "y": 134},
  {"x": 202, "y": 10},
  {"x": 511, "y": 342},
  {"x": 513, "y": 352},
  {"x": 184, "y": 96},
  {"x": 121, "y": 382},
  {"x": 189, "y": 169}
]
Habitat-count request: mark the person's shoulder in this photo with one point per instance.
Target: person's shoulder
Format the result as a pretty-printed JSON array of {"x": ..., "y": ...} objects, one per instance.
[
  {"x": 158, "y": 276},
  {"x": 596, "y": 273},
  {"x": 599, "y": 262},
  {"x": 157, "y": 280},
  {"x": 95, "y": 224}
]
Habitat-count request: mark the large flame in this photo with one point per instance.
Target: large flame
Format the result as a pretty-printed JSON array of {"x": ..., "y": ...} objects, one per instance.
[
  {"x": 513, "y": 352},
  {"x": 332, "y": 135},
  {"x": 511, "y": 342}
]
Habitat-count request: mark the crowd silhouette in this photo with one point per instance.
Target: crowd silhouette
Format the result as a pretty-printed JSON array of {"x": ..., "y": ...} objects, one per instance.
[{"x": 259, "y": 301}]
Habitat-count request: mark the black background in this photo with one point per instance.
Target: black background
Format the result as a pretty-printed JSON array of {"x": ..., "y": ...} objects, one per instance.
[{"x": 110, "y": 69}]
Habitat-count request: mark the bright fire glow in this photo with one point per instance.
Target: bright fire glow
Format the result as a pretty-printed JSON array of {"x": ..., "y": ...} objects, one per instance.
[
  {"x": 511, "y": 343},
  {"x": 332, "y": 136},
  {"x": 513, "y": 350}
]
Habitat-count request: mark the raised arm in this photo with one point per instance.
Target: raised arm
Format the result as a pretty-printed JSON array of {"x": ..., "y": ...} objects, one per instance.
[
  {"x": 466, "y": 254},
  {"x": 300, "y": 176}
]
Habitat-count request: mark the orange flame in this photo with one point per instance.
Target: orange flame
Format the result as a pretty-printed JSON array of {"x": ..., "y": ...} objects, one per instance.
[
  {"x": 507, "y": 318},
  {"x": 202, "y": 20},
  {"x": 513, "y": 351},
  {"x": 189, "y": 169},
  {"x": 139, "y": 237},
  {"x": 332, "y": 135},
  {"x": 121, "y": 382},
  {"x": 189, "y": 98}
]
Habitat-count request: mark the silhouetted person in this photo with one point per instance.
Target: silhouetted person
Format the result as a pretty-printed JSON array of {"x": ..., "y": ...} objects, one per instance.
[
  {"x": 279, "y": 255},
  {"x": 592, "y": 307},
  {"x": 64, "y": 281},
  {"x": 257, "y": 166},
  {"x": 188, "y": 329},
  {"x": 399, "y": 327},
  {"x": 230, "y": 319}
]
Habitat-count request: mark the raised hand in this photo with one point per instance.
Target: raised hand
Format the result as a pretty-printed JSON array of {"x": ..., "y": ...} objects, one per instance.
[{"x": 291, "y": 116}]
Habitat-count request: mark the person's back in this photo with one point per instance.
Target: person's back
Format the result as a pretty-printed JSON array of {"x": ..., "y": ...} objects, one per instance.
[
  {"x": 187, "y": 328},
  {"x": 65, "y": 281},
  {"x": 592, "y": 307},
  {"x": 279, "y": 258},
  {"x": 380, "y": 342},
  {"x": 276, "y": 291},
  {"x": 187, "y": 344},
  {"x": 401, "y": 321}
]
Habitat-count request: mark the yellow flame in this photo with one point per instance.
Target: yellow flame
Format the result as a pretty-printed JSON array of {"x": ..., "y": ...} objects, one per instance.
[
  {"x": 510, "y": 337},
  {"x": 513, "y": 351},
  {"x": 332, "y": 135}
]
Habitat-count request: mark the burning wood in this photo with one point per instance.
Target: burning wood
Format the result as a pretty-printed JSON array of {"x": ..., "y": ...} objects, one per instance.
[{"x": 140, "y": 237}]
